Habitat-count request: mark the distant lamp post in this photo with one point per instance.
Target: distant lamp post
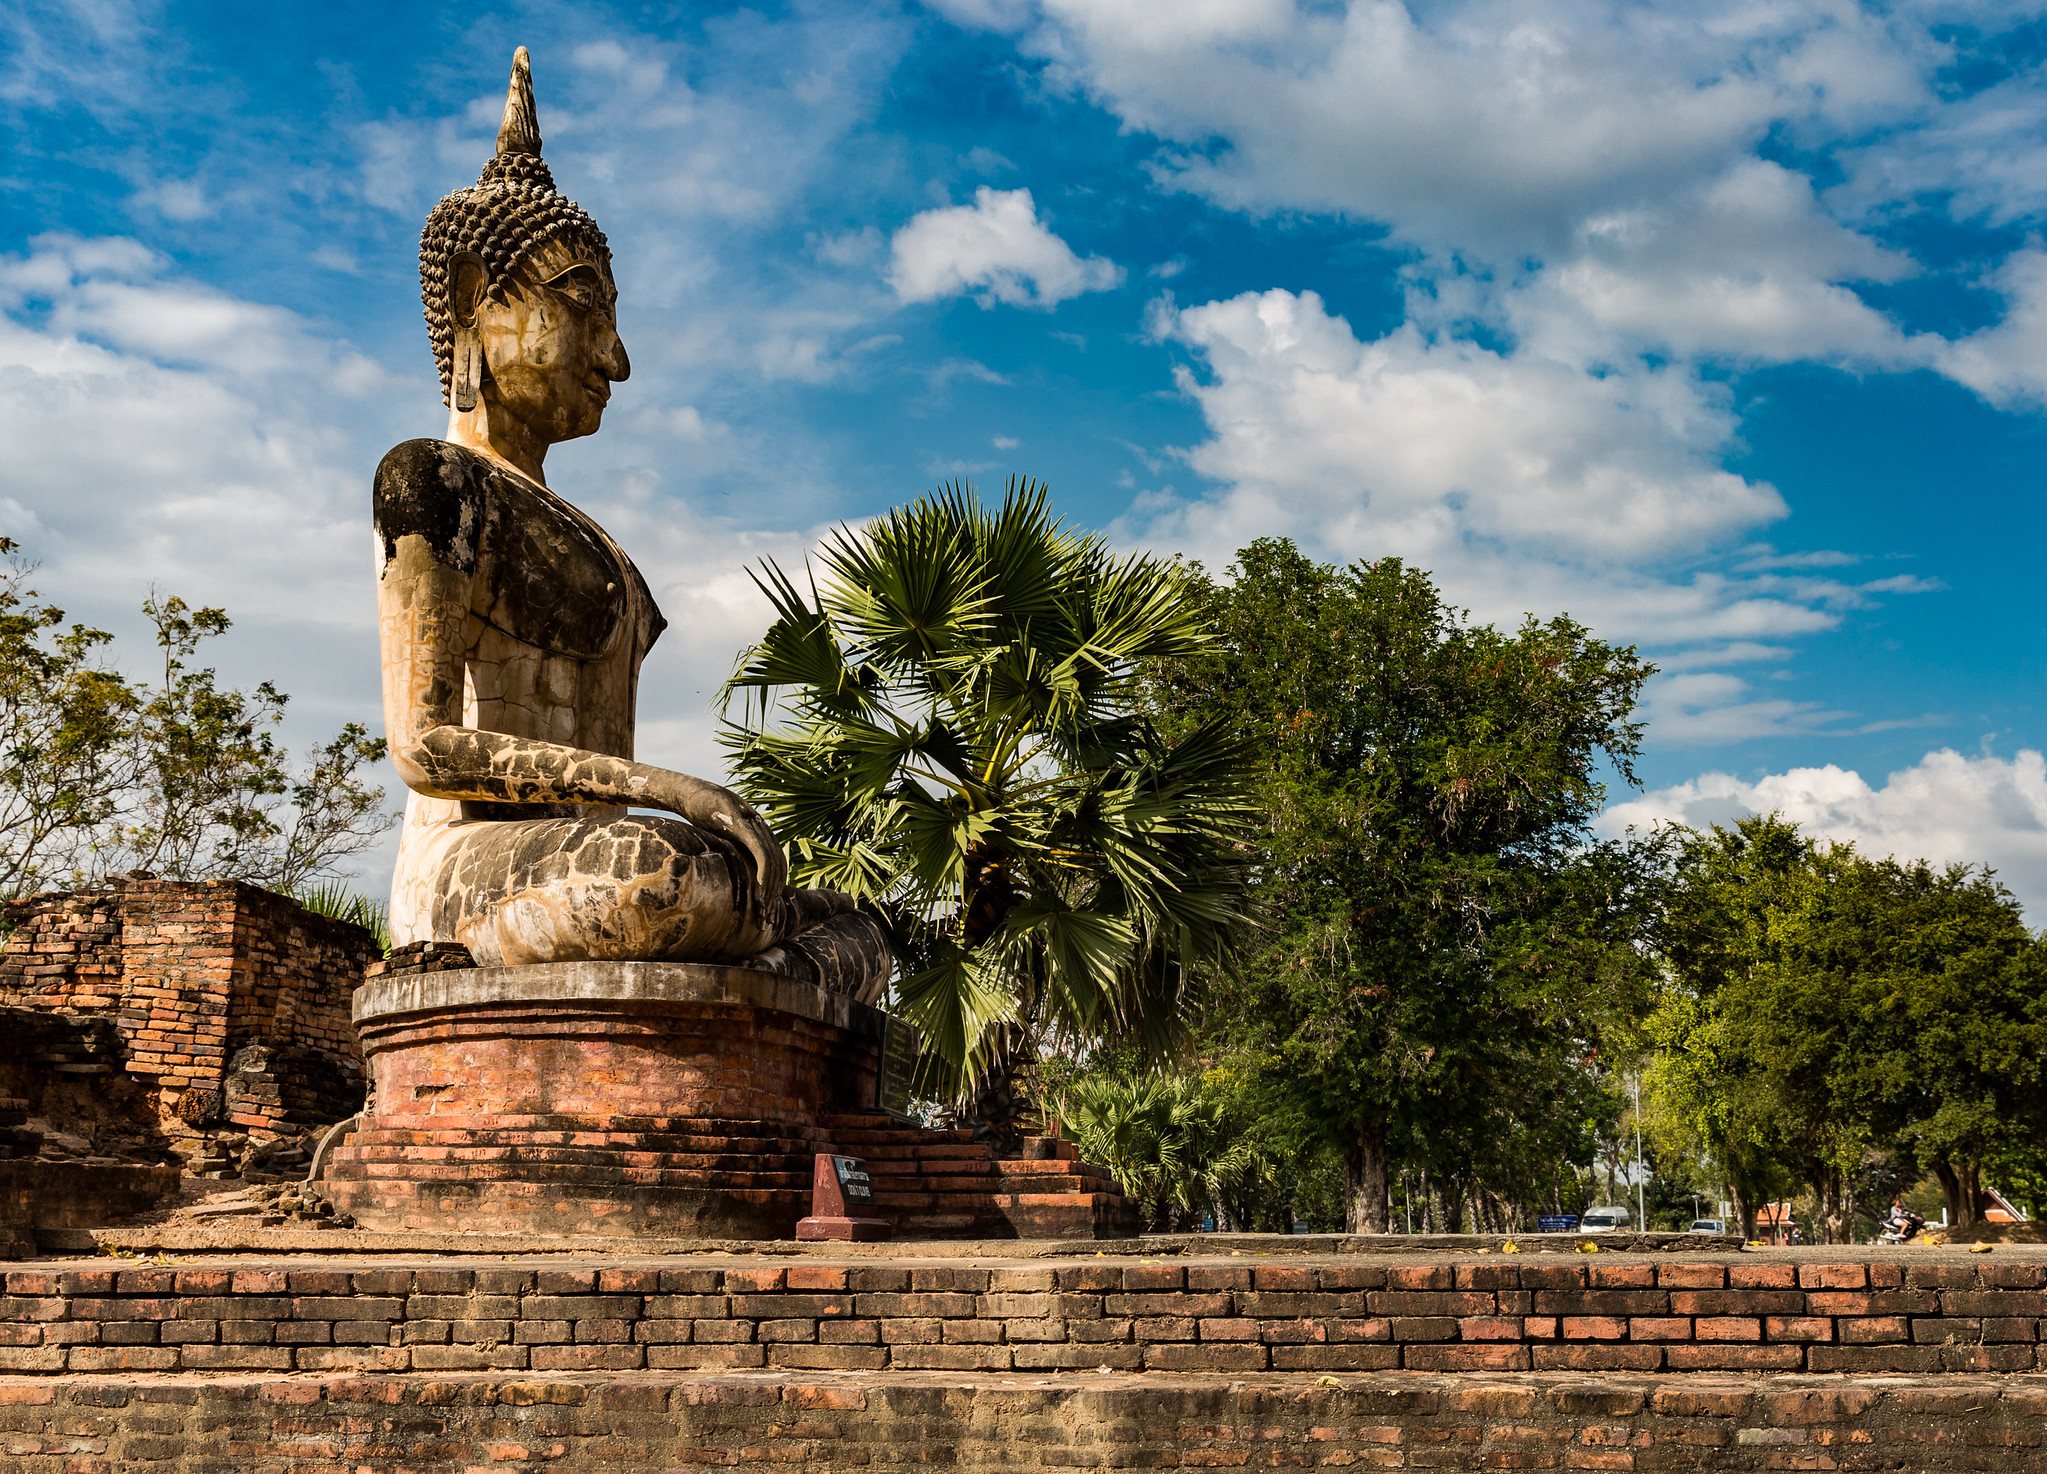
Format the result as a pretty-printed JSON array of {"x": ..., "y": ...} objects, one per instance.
[{"x": 1641, "y": 1212}]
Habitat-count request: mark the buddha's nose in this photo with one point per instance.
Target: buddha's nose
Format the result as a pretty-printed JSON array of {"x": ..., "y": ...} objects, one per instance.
[{"x": 612, "y": 359}]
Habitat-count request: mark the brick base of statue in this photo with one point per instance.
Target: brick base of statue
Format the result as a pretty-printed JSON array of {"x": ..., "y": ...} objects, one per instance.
[{"x": 660, "y": 1100}]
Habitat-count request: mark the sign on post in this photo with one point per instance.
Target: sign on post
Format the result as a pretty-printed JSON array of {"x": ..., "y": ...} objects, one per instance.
[
  {"x": 899, "y": 1045},
  {"x": 842, "y": 1202}
]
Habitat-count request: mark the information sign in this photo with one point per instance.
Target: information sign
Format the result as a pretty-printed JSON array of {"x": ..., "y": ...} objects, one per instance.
[
  {"x": 899, "y": 1043},
  {"x": 855, "y": 1186}
]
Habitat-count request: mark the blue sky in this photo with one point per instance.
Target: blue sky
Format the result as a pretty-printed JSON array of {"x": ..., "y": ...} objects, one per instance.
[{"x": 1721, "y": 327}]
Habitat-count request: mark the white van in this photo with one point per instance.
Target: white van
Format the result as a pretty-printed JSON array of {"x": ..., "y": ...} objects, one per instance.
[{"x": 1603, "y": 1220}]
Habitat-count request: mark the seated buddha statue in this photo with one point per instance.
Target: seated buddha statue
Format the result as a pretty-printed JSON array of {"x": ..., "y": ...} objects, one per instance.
[{"x": 513, "y": 629}]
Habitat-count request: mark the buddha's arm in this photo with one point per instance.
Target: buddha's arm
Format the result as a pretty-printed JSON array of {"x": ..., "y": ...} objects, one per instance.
[{"x": 424, "y": 611}]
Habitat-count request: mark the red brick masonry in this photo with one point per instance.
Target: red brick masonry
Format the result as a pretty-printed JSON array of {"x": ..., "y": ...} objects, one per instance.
[
  {"x": 1481, "y": 1315},
  {"x": 660, "y": 1100},
  {"x": 189, "y": 972},
  {"x": 571, "y": 1423}
]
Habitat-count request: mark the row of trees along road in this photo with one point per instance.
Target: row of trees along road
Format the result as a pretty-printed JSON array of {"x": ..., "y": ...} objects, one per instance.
[
  {"x": 1840, "y": 1024},
  {"x": 1281, "y": 891},
  {"x": 170, "y": 774}
]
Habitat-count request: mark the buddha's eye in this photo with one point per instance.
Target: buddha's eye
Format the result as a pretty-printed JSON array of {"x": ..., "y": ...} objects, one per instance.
[{"x": 579, "y": 286}]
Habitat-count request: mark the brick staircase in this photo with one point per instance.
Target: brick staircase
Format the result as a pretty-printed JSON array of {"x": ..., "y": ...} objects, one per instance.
[{"x": 501, "y": 1172}]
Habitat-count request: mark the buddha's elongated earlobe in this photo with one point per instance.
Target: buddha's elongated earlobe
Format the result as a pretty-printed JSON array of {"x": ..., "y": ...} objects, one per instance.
[
  {"x": 468, "y": 367},
  {"x": 467, "y": 282}
]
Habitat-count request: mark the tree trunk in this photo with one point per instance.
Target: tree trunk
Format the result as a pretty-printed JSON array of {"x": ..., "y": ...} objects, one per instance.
[
  {"x": 1745, "y": 1206},
  {"x": 1005, "y": 1098},
  {"x": 1958, "y": 1184},
  {"x": 1833, "y": 1206},
  {"x": 1364, "y": 1180},
  {"x": 1453, "y": 1205}
]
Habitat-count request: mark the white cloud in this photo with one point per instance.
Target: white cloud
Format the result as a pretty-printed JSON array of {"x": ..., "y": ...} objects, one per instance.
[
  {"x": 163, "y": 429},
  {"x": 1522, "y": 483},
  {"x": 2007, "y": 363},
  {"x": 1743, "y": 267},
  {"x": 1583, "y": 176},
  {"x": 1986, "y": 155},
  {"x": 1596, "y": 236},
  {"x": 1415, "y": 445},
  {"x": 1703, "y": 708},
  {"x": 996, "y": 249},
  {"x": 1946, "y": 808},
  {"x": 1476, "y": 126}
]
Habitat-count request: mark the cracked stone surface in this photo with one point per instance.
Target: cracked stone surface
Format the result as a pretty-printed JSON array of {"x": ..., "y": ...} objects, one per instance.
[{"x": 513, "y": 630}]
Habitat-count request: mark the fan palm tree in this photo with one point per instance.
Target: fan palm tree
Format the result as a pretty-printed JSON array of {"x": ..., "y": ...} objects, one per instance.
[
  {"x": 947, "y": 728},
  {"x": 1171, "y": 1145}
]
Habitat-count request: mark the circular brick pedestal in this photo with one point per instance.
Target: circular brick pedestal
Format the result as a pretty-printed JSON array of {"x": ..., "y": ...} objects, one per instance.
[
  {"x": 618, "y": 1099},
  {"x": 659, "y": 1100}
]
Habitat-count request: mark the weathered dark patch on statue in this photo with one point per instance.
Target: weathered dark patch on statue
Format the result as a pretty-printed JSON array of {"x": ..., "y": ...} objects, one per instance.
[
  {"x": 559, "y": 585},
  {"x": 423, "y": 490}
]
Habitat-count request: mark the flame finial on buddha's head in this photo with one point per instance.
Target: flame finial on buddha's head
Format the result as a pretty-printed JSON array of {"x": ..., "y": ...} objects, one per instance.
[{"x": 512, "y": 209}]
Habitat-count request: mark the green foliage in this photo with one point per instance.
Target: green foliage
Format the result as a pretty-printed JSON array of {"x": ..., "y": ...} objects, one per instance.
[
  {"x": 343, "y": 903},
  {"x": 211, "y": 764},
  {"x": 1166, "y": 1141},
  {"x": 1827, "y": 1011},
  {"x": 66, "y": 762},
  {"x": 1186, "y": 1145},
  {"x": 178, "y": 777},
  {"x": 1448, "y": 946},
  {"x": 959, "y": 748}
]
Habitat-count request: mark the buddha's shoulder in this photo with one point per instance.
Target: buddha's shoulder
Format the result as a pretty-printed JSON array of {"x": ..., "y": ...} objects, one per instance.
[{"x": 434, "y": 490}]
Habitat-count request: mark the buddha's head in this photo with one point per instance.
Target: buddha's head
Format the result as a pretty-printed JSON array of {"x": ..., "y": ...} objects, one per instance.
[{"x": 518, "y": 290}]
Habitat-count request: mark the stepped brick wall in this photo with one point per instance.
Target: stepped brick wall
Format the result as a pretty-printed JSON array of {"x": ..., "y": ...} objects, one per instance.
[
  {"x": 573, "y": 1424},
  {"x": 191, "y": 975},
  {"x": 1672, "y": 1316},
  {"x": 841, "y": 1360}
]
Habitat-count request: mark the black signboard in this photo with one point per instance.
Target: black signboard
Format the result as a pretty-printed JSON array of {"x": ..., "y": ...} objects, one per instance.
[
  {"x": 898, "y": 1067},
  {"x": 854, "y": 1184}
]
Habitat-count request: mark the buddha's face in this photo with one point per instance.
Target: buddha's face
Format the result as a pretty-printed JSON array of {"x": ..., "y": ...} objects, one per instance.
[{"x": 552, "y": 345}]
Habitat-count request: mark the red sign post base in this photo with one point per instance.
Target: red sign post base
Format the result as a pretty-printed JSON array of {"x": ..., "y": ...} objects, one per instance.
[
  {"x": 840, "y": 1189},
  {"x": 851, "y": 1230}
]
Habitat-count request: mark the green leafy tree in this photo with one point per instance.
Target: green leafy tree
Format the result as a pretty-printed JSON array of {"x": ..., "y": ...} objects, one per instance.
[
  {"x": 217, "y": 796},
  {"x": 212, "y": 764},
  {"x": 178, "y": 777},
  {"x": 1446, "y": 938},
  {"x": 66, "y": 760},
  {"x": 1705, "y": 1075},
  {"x": 947, "y": 729},
  {"x": 1828, "y": 1012}
]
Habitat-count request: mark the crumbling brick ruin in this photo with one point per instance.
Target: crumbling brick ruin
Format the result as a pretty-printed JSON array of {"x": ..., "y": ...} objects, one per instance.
[{"x": 201, "y": 1022}]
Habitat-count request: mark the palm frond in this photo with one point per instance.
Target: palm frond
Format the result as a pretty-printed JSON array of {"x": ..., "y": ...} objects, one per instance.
[
  {"x": 799, "y": 650},
  {"x": 961, "y": 682},
  {"x": 955, "y": 1001},
  {"x": 342, "y": 902}
]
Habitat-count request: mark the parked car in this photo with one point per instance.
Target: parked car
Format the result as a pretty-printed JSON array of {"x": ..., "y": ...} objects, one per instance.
[
  {"x": 1603, "y": 1220},
  {"x": 1708, "y": 1225}
]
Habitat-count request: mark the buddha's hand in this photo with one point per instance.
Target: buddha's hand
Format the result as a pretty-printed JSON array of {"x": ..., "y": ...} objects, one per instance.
[{"x": 722, "y": 811}]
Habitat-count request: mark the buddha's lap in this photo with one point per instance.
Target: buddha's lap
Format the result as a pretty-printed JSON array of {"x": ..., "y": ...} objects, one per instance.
[{"x": 556, "y": 889}]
